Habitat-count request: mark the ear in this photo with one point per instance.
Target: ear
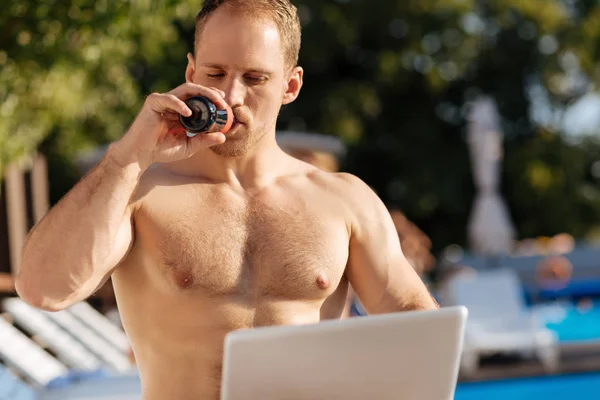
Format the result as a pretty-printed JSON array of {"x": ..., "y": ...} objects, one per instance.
[
  {"x": 190, "y": 70},
  {"x": 294, "y": 84}
]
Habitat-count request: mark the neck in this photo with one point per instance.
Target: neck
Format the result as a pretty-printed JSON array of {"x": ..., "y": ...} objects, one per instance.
[{"x": 253, "y": 169}]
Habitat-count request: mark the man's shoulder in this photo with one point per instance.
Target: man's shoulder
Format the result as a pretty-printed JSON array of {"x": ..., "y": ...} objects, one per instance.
[
  {"x": 154, "y": 172},
  {"x": 156, "y": 176},
  {"x": 350, "y": 181},
  {"x": 165, "y": 174},
  {"x": 350, "y": 190},
  {"x": 344, "y": 182}
]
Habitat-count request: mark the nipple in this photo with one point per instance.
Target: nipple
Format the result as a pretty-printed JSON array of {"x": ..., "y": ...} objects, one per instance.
[
  {"x": 185, "y": 280},
  {"x": 322, "y": 281}
]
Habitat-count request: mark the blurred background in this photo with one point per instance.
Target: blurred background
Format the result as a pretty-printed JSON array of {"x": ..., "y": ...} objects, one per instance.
[{"x": 477, "y": 122}]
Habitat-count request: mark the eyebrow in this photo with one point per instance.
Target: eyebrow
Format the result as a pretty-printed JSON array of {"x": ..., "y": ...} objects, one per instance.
[{"x": 251, "y": 70}]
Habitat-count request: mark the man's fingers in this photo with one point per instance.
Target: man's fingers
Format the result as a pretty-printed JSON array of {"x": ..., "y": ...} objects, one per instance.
[
  {"x": 171, "y": 116},
  {"x": 168, "y": 103},
  {"x": 187, "y": 90},
  {"x": 206, "y": 140},
  {"x": 222, "y": 93}
]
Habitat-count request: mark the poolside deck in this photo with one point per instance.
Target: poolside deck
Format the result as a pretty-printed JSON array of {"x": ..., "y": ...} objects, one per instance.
[{"x": 575, "y": 359}]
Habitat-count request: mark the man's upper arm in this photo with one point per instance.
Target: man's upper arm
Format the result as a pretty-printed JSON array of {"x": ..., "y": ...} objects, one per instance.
[
  {"x": 123, "y": 240},
  {"x": 377, "y": 269},
  {"x": 122, "y": 246},
  {"x": 125, "y": 236}
]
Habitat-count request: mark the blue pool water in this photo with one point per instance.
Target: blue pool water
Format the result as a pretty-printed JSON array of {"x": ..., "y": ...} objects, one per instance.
[
  {"x": 571, "y": 324},
  {"x": 575, "y": 387},
  {"x": 574, "y": 324},
  {"x": 579, "y": 387}
]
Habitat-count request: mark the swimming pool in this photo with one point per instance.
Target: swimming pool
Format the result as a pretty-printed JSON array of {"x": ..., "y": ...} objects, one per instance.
[
  {"x": 576, "y": 387},
  {"x": 573, "y": 325}
]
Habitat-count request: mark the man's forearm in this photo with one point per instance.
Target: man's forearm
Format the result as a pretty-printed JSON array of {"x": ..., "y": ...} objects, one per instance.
[
  {"x": 415, "y": 301},
  {"x": 68, "y": 249}
]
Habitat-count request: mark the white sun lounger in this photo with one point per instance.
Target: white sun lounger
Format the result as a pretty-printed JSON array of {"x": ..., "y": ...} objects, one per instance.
[
  {"x": 40, "y": 369},
  {"x": 101, "y": 325},
  {"x": 68, "y": 350},
  {"x": 499, "y": 320},
  {"x": 111, "y": 356},
  {"x": 25, "y": 356}
]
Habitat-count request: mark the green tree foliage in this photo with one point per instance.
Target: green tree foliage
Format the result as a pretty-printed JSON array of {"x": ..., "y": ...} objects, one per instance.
[
  {"x": 391, "y": 78},
  {"x": 543, "y": 171},
  {"x": 71, "y": 71}
]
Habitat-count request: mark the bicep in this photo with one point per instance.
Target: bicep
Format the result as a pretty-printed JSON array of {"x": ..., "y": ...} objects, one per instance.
[
  {"x": 377, "y": 268},
  {"x": 123, "y": 241},
  {"x": 122, "y": 244}
]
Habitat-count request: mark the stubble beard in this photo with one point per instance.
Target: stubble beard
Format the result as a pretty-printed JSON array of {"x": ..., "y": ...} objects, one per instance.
[{"x": 239, "y": 146}]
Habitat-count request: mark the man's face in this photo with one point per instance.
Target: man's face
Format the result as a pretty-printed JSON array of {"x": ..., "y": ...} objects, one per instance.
[{"x": 244, "y": 58}]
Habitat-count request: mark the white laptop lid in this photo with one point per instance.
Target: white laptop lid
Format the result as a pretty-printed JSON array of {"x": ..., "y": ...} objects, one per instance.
[{"x": 408, "y": 356}]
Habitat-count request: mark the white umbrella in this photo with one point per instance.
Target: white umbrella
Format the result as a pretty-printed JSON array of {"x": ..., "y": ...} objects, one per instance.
[{"x": 490, "y": 228}]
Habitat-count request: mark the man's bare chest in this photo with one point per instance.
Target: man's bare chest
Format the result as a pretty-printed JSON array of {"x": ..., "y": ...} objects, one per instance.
[{"x": 283, "y": 248}]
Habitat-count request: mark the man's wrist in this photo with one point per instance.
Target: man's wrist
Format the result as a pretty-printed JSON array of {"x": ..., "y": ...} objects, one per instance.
[{"x": 126, "y": 160}]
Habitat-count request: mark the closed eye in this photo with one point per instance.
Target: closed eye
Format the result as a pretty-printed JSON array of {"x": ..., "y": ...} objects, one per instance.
[
  {"x": 256, "y": 79},
  {"x": 213, "y": 76}
]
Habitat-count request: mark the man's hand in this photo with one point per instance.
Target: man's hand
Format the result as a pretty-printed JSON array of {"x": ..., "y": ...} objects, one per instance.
[
  {"x": 156, "y": 135},
  {"x": 377, "y": 269}
]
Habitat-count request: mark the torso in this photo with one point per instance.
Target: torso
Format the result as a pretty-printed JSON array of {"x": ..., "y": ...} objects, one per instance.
[{"x": 208, "y": 259}]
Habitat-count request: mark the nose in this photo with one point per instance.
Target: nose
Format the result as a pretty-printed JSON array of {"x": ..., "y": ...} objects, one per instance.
[{"x": 235, "y": 93}]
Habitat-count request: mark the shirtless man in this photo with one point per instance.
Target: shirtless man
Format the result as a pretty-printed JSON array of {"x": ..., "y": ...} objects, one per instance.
[{"x": 207, "y": 235}]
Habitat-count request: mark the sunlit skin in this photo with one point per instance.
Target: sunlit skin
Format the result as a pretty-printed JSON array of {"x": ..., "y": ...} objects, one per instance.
[{"x": 235, "y": 236}]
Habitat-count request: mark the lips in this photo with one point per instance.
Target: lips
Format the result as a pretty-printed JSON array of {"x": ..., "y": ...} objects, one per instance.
[{"x": 237, "y": 118}]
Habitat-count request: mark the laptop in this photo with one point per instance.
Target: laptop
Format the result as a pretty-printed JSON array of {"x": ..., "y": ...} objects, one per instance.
[{"x": 409, "y": 355}]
